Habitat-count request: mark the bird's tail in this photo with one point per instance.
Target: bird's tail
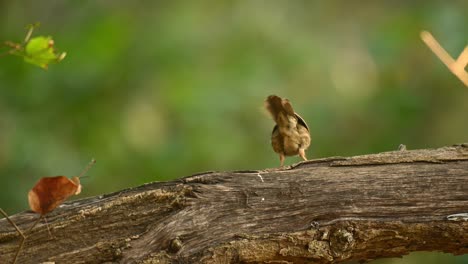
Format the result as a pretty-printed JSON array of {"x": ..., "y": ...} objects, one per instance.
[{"x": 280, "y": 110}]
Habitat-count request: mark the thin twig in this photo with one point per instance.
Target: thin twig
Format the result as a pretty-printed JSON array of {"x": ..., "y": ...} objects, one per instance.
[
  {"x": 23, "y": 237},
  {"x": 29, "y": 34},
  {"x": 35, "y": 223},
  {"x": 6, "y": 53},
  {"x": 91, "y": 163},
  {"x": 457, "y": 67},
  {"x": 47, "y": 225}
]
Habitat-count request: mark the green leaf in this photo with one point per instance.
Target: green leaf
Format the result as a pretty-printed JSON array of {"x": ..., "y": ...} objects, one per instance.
[{"x": 40, "y": 51}]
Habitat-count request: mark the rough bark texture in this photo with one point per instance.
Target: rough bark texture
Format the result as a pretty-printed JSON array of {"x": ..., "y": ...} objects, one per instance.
[{"x": 322, "y": 211}]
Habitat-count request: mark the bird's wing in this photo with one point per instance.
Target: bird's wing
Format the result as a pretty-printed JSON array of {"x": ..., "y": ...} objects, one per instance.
[{"x": 301, "y": 121}]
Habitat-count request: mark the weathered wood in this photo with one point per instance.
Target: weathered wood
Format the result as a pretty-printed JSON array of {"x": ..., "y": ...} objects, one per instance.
[{"x": 321, "y": 211}]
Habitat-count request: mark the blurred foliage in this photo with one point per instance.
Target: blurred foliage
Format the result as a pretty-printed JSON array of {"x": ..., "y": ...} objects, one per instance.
[
  {"x": 39, "y": 50},
  {"x": 158, "y": 90}
]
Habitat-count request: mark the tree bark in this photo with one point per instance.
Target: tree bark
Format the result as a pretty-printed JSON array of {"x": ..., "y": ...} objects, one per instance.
[{"x": 328, "y": 210}]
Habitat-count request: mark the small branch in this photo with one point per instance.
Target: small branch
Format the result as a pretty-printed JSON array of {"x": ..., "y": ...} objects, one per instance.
[{"x": 457, "y": 67}]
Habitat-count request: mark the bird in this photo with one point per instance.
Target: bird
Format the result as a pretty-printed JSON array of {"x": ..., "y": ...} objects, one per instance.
[{"x": 290, "y": 135}]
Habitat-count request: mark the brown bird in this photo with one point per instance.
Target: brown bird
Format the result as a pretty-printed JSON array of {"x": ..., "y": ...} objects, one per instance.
[{"x": 290, "y": 135}]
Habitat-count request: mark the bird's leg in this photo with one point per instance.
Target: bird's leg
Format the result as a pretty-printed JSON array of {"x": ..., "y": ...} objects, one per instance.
[
  {"x": 302, "y": 154},
  {"x": 281, "y": 160}
]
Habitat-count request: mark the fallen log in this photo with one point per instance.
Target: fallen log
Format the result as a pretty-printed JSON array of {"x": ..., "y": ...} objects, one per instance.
[{"x": 327, "y": 210}]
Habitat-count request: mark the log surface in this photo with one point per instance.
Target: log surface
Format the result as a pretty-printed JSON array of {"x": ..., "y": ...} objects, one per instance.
[{"x": 328, "y": 210}]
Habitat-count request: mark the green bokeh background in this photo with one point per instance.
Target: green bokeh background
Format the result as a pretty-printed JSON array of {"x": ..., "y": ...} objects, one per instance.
[{"x": 157, "y": 90}]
